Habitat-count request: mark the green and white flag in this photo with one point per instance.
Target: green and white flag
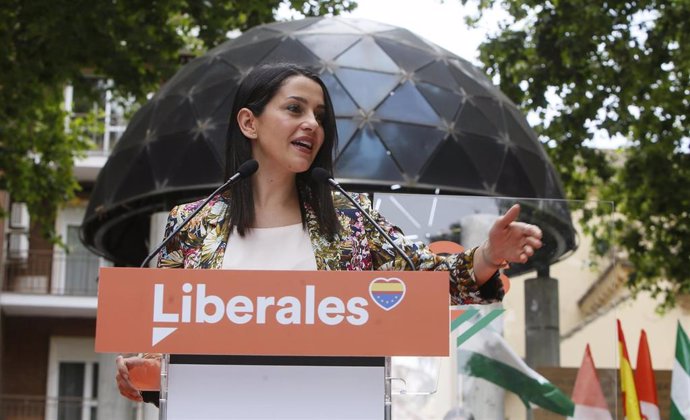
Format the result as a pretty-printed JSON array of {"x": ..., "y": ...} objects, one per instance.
[
  {"x": 680, "y": 379},
  {"x": 487, "y": 355}
]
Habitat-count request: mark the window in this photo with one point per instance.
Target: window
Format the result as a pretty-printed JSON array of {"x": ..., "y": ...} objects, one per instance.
[
  {"x": 75, "y": 269},
  {"x": 103, "y": 114},
  {"x": 72, "y": 379},
  {"x": 81, "y": 266},
  {"x": 77, "y": 395}
]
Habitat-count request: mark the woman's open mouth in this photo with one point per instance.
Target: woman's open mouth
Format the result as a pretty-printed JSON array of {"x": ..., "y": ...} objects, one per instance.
[{"x": 303, "y": 145}]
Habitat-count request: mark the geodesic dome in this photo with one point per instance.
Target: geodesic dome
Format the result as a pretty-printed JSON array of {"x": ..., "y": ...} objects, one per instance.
[{"x": 409, "y": 114}]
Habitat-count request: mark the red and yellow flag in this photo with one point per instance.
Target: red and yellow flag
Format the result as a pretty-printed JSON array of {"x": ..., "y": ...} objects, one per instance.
[{"x": 631, "y": 405}]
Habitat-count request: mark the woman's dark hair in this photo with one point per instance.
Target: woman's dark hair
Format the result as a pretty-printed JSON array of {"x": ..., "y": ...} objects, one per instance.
[{"x": 255, "y": 91}]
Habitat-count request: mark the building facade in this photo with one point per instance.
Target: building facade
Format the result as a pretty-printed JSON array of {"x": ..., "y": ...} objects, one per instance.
[{"x": 48, "y": 367}]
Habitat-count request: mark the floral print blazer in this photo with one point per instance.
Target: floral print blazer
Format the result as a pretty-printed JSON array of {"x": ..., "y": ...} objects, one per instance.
[{"x": 359, "y": 246}]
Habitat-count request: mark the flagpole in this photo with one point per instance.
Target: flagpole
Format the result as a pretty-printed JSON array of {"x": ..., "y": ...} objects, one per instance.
[{"x": 387, "y": 399}]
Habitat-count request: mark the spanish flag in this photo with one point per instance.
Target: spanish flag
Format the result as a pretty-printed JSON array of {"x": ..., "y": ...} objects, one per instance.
[{"x": 631, "y": 405}]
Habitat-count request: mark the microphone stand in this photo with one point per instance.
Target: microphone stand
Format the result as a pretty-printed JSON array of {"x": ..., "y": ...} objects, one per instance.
[
  {"x": 246, "y": 169},
  {"x": 321, "y": 175}
]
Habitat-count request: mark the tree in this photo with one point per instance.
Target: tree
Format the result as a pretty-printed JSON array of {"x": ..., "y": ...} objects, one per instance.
[
  {"x": 613, "y": 69},
  {"x": 47, "y": 44}
]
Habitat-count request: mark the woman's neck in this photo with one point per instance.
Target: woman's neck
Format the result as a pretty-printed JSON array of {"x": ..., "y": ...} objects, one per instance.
[{"x": 276, "y": 200}]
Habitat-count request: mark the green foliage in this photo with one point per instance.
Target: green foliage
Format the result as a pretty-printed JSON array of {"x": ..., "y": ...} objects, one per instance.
[
  {"x": 621, "y": 68},
  {"x": 47, "y": 44}
]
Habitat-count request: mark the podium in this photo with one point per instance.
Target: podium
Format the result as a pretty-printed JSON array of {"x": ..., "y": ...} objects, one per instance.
[{"x": 273, "y": 344}]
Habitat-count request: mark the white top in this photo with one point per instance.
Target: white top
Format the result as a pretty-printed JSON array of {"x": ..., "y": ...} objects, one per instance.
[{"x": 278, "y": 248}]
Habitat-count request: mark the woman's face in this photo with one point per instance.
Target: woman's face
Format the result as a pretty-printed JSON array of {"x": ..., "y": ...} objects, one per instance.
[{"x": 288, "y": 134}]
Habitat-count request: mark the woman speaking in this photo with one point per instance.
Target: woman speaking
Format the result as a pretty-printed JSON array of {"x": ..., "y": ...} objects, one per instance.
[{"x": 282, "y": 218}]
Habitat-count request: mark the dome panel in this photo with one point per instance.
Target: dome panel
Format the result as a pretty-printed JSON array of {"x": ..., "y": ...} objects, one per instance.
[
  {"x": 290, "y": 51},
  {"x": 163, "y": 152},
  {"x": 365, "y": 157},
  {"x": 486, "y": 154},
  {"x": 520, "y": 135},
  {"x": 408, "y": 58},
  {"x": 346, "y": 128},
  {"x": 468, "y": 84},
  {"x": 253, "y": 37},
  {"x": 367, "y": 88},
  {"x": 472, "y": 120},
  {"x": 367, "y": 26},
  {"x": 327, "y": 47},
  {"x": 248, "y": 56},
  {"x": 337, "y": 27},
  {"x": 291, "y": 26},
  {"x": 534, "y": 167},
  {"x": 184, "y": 79},
  {"x": 214, "y": 134},
  {"x": 406, "y": 38},
  {"x": 342, "y": 103},
  {"x": 445, "y": 102},
  {"x": 138, "y": 180},
  {"x": 219, "y": 74},
  {"x": 406, "y": 104},
  {"x": 437, "y": 73},
  {"x": 400, "y": 139},
  {"x": 137, "y": 128},
  {"x": 207, "y": 105},
  {"x": 173, "y": 114},
  {"x": 511, "y": 182},
  {"x": 367, "y": 55},
  {"x": 451, "y": 167},
  {"x": 197, "y": 154},
  {"x": 492, "y": 111}
]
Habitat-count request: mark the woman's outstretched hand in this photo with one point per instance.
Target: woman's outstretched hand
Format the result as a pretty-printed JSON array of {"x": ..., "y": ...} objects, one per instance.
[{"x": 509, "y": 241}]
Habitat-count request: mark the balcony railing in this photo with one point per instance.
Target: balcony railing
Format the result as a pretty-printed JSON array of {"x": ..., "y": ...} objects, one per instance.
[
  {"x": 29, "y": 407},
  {"x": 56, "y": 273}
]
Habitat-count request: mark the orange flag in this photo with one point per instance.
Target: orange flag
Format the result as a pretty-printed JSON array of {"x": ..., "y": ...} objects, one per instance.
[
  {"x": 631, "y": 405},
  {"x": 644, "y": 381}
]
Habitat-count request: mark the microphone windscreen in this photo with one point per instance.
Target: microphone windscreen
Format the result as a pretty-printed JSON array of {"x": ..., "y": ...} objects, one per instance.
[
  {"x": 248, "y": 168},
  {"x": 320, "y": 175}
]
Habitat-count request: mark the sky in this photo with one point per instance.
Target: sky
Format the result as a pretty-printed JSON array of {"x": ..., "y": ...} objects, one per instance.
[{"x": 441, "y": 22}]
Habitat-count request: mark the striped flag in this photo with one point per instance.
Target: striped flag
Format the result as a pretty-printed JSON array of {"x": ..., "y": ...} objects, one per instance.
[
  {"x": 680, "y": 379},
  {"x": 645, "y": 382},
  {"x": 485, "y": 354},
  {"x": 588, "y": 397},
  {"x": 631, "y": 405}
]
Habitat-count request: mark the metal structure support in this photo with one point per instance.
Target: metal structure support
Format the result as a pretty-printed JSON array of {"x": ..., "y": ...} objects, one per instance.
[
  {"x": 542, "y": 328},
  {"x": 542, "y": 331}
]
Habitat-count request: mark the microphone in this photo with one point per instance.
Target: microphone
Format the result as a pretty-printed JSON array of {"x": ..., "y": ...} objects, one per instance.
[
  {"x": 245, "y": 170},
  {"x": 321, "y": 175}
]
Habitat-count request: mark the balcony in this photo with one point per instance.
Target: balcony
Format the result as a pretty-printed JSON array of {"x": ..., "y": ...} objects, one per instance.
[
  {"x": 102, "y": 120},
  {"x": 47, "y": 272},
  {"x": 29, "y": 407},
  {"x": 46, "y": 283}
]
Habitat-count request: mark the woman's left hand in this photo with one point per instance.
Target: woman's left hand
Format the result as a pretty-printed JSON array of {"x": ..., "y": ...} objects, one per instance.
[{"x": 509, "y": 241}]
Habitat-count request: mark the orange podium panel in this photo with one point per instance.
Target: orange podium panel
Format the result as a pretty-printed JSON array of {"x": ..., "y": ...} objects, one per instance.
[{"x": 291, "y": 313}]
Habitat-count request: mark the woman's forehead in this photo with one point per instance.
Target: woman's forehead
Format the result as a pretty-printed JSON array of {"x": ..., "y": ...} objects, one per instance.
[{"x": 301, "y": 87}]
